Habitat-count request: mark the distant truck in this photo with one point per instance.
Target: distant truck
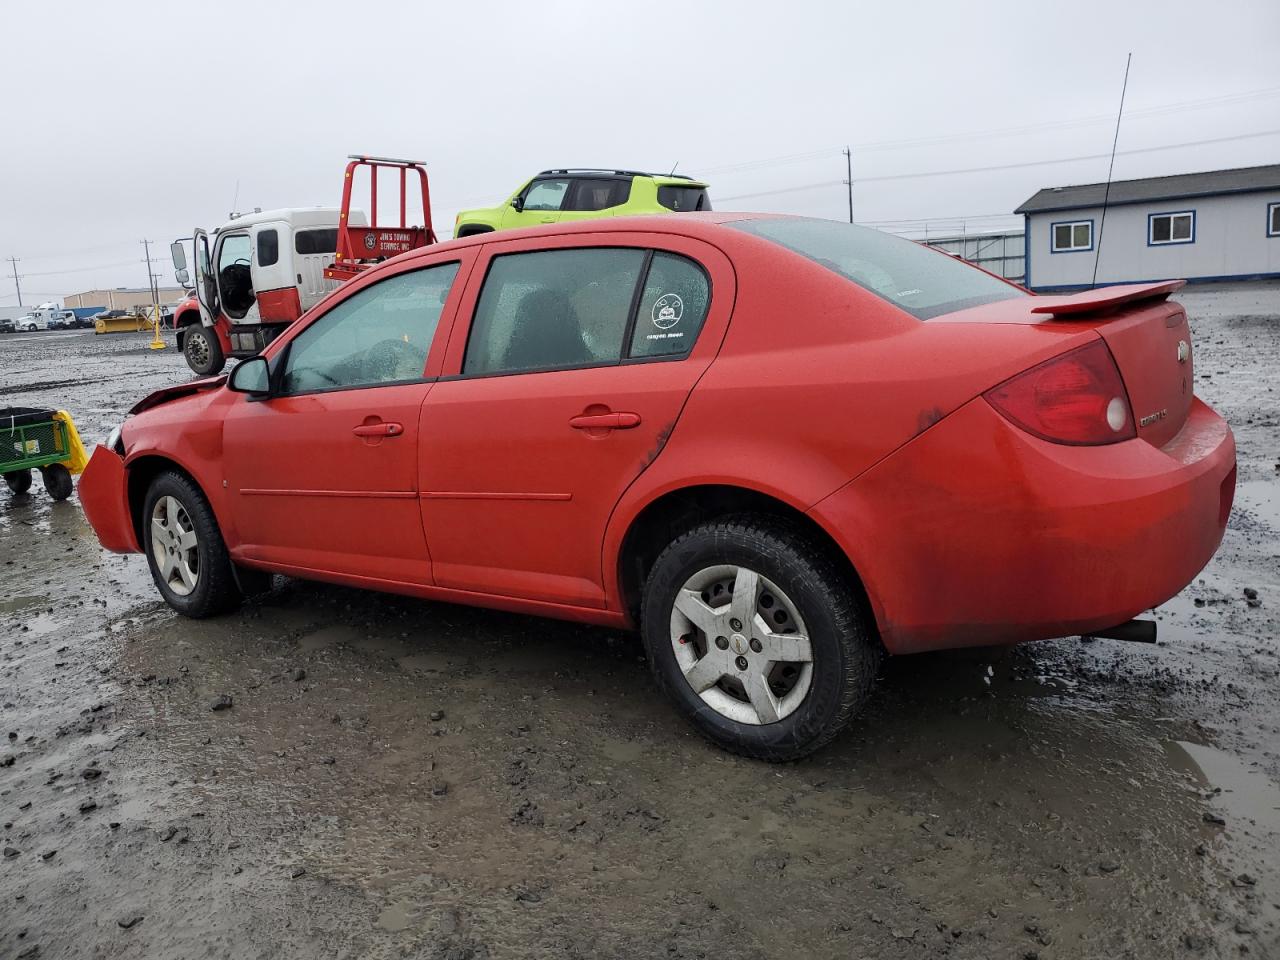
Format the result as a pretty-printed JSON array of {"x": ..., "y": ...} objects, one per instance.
[{"x": 253, "y": 276}]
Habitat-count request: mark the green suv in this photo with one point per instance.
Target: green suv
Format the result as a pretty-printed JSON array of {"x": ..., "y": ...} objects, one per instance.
[{"x": 554, "y": 196}]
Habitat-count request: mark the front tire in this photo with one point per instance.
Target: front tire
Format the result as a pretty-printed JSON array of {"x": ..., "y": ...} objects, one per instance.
[
  {"x": 188, "y": 558},
  {"x": 203, "y": 350},
  {"x": 758, "y": 637}
]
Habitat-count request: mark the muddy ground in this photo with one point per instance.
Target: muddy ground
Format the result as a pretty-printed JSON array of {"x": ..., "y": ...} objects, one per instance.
[{"x": 403, "y": 779}]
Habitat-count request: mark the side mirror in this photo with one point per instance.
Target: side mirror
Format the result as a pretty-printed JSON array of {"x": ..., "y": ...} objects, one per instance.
[
  {"x": 183, "y": 278},
  {"x": 252, "y": 377},
  {"x": 518, "y": 203},
  {"x": 179, "y": 255}
]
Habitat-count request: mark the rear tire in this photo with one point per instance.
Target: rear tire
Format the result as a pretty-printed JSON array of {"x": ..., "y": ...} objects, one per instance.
[
  {"x": 185, "y": 551},
  {"x": 784, "y": 676},
  {"x": 57, "y": 481},
  {"x": 203, "y": 350},
  {"x": 19, "y": 481}
]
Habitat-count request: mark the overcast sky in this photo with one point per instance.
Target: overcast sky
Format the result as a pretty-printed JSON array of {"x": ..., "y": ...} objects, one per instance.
[{"x": 127, "y": 120}]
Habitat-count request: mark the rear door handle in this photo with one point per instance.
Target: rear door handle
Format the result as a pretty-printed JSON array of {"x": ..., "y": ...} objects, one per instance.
[
  {"x": 378, "y": 430},
  {"x": 605, "y": 421}
]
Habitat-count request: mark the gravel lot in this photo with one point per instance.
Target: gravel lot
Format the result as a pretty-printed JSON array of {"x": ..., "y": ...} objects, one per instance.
[{"x": 395, "y": 778}]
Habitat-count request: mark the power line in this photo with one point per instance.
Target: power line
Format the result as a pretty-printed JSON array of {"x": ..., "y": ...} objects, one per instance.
[{"x": 1001, "y": 166}]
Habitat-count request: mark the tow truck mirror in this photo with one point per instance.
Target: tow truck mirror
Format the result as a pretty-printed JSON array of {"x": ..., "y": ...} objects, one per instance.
[
  {"x": 252, "y": 377},
  {"x": 179, "y": 255},
  {"x": 183, "y": 278}
]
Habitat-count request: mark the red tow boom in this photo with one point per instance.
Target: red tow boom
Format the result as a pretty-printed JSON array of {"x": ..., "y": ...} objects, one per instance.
[{"x": 359, "y": 248}]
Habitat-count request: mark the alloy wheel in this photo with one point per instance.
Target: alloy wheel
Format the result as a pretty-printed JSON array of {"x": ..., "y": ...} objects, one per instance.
[
  {"x": 741, "y": 644},
  {"x": 174, "y": 546}
]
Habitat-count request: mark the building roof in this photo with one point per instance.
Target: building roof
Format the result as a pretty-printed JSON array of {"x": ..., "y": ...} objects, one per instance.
[{"x": 1178, "y": 187}]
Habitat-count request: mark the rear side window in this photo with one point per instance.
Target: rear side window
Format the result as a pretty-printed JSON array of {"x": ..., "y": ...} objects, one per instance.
[
  {"x": 268, "y": 247},
  {"x": 684, "y": 199},
  {"x": 324, "y": 240},
  {"x": 917, "y": 279},
  {"x": 598, "y": 194},
  {"x": 672, "y": 307},
  {"x": 553, "y": 309}
]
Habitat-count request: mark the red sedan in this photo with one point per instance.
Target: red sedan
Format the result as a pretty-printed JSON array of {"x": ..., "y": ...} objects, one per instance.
[{"x": 779, "y": 447}]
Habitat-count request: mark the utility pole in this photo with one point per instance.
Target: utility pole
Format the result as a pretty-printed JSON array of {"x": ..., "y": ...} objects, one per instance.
[
  {"x": 848, "y": 165},
  {"x": 13, "y": 261},
  {"x": 151, "y": 277}
]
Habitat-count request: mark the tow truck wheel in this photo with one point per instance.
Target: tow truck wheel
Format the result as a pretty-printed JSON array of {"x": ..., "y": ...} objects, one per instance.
[{"x": 203, "y": 351}]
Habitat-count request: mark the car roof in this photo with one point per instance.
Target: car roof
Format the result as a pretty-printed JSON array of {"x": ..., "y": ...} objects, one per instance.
[
  {"x": 606, "y": 173},
  {"x": 706, "y": 225}
]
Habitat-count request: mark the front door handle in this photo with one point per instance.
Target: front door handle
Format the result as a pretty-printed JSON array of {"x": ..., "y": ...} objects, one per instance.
[
  {"x": 378, "y": 430},
  {"x": 548, "y": 219},
  {"x": 605, "y": 421}
]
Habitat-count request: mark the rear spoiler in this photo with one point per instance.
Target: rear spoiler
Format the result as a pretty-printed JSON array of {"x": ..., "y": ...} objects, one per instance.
[{"x": 1106, "y": 298}]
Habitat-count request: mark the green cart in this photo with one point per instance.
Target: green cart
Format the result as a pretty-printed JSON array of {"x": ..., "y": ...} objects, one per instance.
[{"x": 32, "y": 439}]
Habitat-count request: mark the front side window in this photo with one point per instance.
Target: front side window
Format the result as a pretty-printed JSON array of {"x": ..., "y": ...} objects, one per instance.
[
  {"x": 1071, "y": 237},
  {"x": 380, "y": 335},
  {"x": 1273, "y": 219},
  {"x": 598, "y": 194},
  {"x": 552, "y": 309},
  {"x": 684, "y": 199},
  {"x": 545, "y": 195},
  {"x": 672, "y": 307},
  {"x": 268, "y": 247},
  {"x": 1171, "y": 228},
  {"x": 235, "y": 274},
  {"x": 917, "y": 279}
]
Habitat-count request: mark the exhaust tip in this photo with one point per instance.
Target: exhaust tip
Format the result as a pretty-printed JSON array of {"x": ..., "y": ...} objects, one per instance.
[{"x": 1131, "y": 631}]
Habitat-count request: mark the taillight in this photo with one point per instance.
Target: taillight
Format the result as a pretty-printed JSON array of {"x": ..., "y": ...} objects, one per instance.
[{"x": 1076, "y": 398}]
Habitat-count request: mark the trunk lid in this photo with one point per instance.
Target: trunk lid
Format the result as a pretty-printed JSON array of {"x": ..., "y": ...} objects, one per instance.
[{"x": 1146, "y": 333}]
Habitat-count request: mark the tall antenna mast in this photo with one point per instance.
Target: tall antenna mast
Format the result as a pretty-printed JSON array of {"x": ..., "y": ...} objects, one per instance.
[{"x": 1106, "y": 195}]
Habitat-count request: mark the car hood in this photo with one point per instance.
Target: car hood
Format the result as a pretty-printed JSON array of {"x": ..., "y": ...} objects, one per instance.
[{"x": 166, "y": 394}]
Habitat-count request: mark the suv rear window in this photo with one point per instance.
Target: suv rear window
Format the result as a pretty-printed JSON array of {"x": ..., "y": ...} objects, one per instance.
[
  {"x": 917, "y": 279},
  {"x": 684, "y": 199}
]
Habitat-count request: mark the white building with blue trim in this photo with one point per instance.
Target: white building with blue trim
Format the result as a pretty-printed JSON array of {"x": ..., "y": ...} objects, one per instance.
[{"x": 1220, "y": 225}]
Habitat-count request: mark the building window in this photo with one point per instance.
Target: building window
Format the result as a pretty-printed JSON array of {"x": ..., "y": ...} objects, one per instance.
[
  {"x": 1165, "y": 228},
  {"x": 1273, "y": 219},
  {"x": 1071, "y": 237}
]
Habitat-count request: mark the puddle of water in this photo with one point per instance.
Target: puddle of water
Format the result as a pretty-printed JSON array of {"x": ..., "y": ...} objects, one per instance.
[
  {"x": 43, "y": 623},
  {"x": 431, "y": 661},
  {"x": 1247, "y": 797},
  {"x": 328, "y": 637},
  {"x": 17, "y": 603},
  {"x": 395, "y": 918},
  {"x": 1259, "y": 498}
]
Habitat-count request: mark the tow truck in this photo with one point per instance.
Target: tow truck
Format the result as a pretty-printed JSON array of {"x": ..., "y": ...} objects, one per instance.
[{"x": 259, "y": 272}]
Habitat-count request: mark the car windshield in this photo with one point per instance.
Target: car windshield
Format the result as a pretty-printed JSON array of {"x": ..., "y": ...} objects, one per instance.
[{"x": 923, "y": 282}]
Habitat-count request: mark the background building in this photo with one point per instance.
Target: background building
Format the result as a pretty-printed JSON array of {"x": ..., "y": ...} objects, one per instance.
[
  {"x": 1220, "y": 225},
  {"x": 121, "y": 298},
  {"x": 1000, "y": 253}
]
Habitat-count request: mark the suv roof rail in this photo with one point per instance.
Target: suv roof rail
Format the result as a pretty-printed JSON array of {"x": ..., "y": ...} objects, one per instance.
[{"x": 611, "y": 172}]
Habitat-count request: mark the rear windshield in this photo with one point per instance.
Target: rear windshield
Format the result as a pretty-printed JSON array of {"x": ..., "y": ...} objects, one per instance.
[
  {"x": 324, "y": 240},
  {"x": 918, "y": 279},
  {"x": 684, "y": 199}
]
